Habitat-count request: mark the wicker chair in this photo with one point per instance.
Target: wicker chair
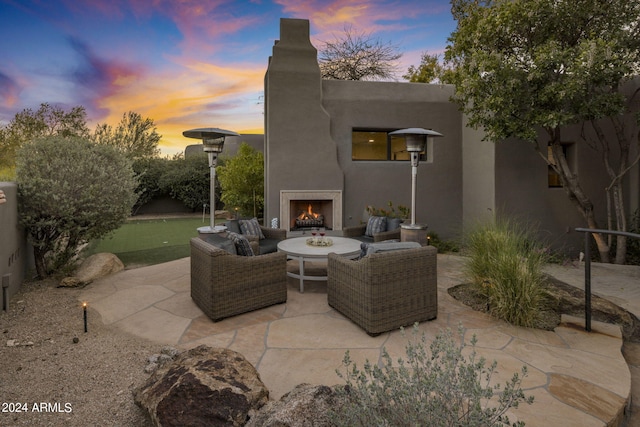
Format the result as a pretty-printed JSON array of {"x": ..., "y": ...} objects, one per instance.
[
  {"x": 357, "y": 232},
  {"x": 384, "y": 291},
  {"x": 224, "y": 285}
]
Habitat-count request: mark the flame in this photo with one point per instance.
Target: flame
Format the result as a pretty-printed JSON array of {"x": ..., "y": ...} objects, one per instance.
[{"x": 309, "y": 214}]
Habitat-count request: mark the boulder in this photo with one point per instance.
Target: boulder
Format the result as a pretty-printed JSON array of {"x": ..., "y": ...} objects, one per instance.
[
  {"x": 304, "y": 406},
  {"x": 201, "y": 387},
  {"x": 92, "y": 268}
]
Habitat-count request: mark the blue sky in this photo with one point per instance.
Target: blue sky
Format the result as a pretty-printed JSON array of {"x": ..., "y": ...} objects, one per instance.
[{"x": 185, "y": 64}]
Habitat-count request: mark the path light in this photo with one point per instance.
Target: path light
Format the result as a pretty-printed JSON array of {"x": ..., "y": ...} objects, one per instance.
[
  {"x": 416, "y": 141},
  {"x": 213, "y": 142}
]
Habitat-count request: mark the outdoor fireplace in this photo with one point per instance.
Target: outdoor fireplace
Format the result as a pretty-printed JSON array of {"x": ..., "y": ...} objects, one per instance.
[
  {"x": 307, "y": 218},
  {"x": 301, "y": 210}
]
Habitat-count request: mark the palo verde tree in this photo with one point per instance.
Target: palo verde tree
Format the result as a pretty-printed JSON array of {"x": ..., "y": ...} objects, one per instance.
[
  {"x": 70, "y": 190},
  {"x": 358, "y": 56},
  {"x": 521, "y": 66},
  {"x": 242, "y": 181}
]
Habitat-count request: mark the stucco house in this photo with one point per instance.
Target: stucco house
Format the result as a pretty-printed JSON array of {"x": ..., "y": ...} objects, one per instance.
[{"x": 327, "y": 145}]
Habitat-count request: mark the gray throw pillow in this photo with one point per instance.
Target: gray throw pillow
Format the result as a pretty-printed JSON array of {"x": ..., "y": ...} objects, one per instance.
[
  {"x": 242, "y": 244},
  {"x": 376, "y": 224},
  {"x": 251, "y": 227}
]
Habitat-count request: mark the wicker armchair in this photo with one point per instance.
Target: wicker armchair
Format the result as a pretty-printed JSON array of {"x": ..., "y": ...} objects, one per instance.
[
  {"x": 224, "y": 285},
  {"x": 357, "y": 232},
  {"x": 384, "y": 291}
]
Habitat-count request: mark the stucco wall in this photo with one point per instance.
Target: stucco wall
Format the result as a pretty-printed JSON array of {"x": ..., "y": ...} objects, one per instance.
[
  {"x": 385, "y": 105},
  {"x": 13, "y": 245},
  {"x": 300, "y": 153},
  {"x": 522, "y": 191},
  {"x": 308, "y": 137}
]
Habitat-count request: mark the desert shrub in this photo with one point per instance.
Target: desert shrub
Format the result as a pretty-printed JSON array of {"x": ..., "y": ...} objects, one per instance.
[
  {"x": 70, "y": 191},
  {"x": 439, "y": 387},
  {"x": 506, "y": 261}
]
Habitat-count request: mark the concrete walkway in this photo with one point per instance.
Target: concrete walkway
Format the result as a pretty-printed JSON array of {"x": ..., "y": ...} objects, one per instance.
[{"x": 577, "y": 378}]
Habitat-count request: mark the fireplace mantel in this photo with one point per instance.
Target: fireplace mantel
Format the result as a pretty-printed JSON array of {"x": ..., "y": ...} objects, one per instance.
[{"x": 335, "y": 196}]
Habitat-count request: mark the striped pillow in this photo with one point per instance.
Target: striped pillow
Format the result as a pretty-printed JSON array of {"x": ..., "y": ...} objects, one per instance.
[
  {"x": 242, "y": 244},
  {"x": 376, "y": 224},
  {"x": 251, "y": 227}
]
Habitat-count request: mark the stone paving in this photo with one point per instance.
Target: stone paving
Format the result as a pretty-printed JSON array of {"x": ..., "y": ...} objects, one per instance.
[{"x": 577, "y": 378}]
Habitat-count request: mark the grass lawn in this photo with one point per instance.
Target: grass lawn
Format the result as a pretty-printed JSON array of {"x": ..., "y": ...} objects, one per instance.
[{"x": 147, "y": 242}]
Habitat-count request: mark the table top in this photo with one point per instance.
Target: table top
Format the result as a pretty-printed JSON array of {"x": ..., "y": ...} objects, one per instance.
[{"x": 297, "y": 246}]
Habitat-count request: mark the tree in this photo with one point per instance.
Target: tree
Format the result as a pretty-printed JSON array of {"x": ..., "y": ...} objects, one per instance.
[
  {"x": 134, "y": 136},
  {"x": 242, "y": 181},
  {"x": 47, "y": 121},
  {"x": 358, "y": 57},
  {"x": 529, "y": 65},
  {"x": 430, "y": 70},
  {"x": 70, "y": 191},
  {"x": 187, "y": 179},
  {"x": 149, "y": 173}
]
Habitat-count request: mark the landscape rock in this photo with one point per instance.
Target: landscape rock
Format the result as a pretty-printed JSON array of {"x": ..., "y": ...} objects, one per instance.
[
  {"x": 92, "y": 268},
  {"x": 304, "y": 406},
  {"x": 203, "y": 386}
]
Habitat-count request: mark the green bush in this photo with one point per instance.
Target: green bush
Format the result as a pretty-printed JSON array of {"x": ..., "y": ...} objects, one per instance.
[
  {"x": 70, "y": 191},
  {"x": 440, "y": 387},
  {"x": 505, "y": 262}
]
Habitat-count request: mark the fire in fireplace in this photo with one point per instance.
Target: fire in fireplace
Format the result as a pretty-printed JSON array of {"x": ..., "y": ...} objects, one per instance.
[{"x": 309, "y": 218}]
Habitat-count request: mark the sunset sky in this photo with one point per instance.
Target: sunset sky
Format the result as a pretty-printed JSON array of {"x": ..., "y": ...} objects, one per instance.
[{"x": 185, "y": 64}]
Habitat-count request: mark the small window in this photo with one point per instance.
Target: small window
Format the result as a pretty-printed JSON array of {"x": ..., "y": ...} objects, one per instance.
[
  {"x": 554, "y": 179},
  {"x": 379, "y": 145}
]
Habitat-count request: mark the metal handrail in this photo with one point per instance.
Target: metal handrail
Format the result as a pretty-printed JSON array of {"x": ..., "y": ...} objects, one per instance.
[{"x": 587, "y": 267}]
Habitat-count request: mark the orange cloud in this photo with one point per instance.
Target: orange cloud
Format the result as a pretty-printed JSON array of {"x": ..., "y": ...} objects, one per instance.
[{"x": 201, "y": 95}]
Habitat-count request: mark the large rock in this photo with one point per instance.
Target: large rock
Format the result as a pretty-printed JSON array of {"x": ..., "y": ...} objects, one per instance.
[
  {"x": 203, "y": 386},
  {"x": 304, "y": 406},
  {"x": 92, "y": 268}
]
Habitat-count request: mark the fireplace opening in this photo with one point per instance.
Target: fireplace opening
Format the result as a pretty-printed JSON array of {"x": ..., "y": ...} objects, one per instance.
[{"x": 307, "y": 214}]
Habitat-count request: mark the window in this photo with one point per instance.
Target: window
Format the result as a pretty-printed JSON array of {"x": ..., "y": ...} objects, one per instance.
[
  {"x": 379, "y": 145},
  {"x": 554, "y": 178}
]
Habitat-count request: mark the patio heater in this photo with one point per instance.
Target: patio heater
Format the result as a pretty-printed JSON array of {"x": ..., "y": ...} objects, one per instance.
[
  {"x": 213, "y": 142},
  {"x": 416, "y": 141}
]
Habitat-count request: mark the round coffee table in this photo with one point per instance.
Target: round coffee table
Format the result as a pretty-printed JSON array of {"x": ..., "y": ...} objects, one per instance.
[{"x": 298, "y": 249}]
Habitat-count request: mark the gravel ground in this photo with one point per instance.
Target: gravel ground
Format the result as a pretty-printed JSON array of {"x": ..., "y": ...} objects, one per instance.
[{"x": 52, "y": 373}]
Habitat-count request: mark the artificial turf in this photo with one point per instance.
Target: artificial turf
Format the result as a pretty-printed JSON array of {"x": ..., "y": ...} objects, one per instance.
[{"x": 149, "y": 242}]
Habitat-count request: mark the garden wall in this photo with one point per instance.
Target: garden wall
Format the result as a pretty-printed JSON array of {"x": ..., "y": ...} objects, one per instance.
[{"x": 14, "y": 252}]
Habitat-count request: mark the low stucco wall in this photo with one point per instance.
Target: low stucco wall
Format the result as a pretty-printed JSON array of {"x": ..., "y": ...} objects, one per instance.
[{"x": 13, "y": 248}]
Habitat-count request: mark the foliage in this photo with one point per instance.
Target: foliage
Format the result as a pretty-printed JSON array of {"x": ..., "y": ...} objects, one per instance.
[
  {"x": 242, "y": 181},
  {"x": 443, "y": 246},
  {"x": 357, "y": 56},
  {"x": 70, "y": 191},
  {"x": 47, "y": 121},
  {"x": 402, "y": 211},
  {"x": 430, "y": 70},
  {"x": 506, "y": 262},
  {"x": 149, "y": 172},
  {"x": 439, "y": 387},
  {"x": 7, "y": 173},
  {"x": 134, "y": 136},
  {"x": 188, "y": 179},
  {"x": 524, "y": 66}
]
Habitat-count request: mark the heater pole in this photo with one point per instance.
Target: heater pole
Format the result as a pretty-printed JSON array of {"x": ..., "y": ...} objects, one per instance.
[
  {"x": 414, "y": 178},
  {"x": 212, "y": 190}
]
